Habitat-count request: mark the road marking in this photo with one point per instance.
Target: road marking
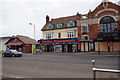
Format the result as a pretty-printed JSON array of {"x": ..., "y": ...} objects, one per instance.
[{"x": 13, "y": 76}]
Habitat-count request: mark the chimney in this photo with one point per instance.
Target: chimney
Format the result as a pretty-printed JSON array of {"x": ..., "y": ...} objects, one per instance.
[{"x": 47, "y": 19}]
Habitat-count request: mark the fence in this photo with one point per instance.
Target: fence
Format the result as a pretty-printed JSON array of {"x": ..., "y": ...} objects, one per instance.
[{"x": 101, "y": 70}]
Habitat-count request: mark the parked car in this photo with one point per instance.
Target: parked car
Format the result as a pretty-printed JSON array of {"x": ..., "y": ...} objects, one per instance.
[{"x": 12, "y": 53}]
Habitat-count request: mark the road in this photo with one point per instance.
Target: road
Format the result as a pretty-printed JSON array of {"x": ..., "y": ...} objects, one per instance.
[{"x": 54, "y": 66}]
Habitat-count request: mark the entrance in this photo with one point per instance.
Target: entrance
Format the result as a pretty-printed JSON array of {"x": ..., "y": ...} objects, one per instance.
[
  {"x": 48, "y": 48},
  {"x": 70, "y": 48}
]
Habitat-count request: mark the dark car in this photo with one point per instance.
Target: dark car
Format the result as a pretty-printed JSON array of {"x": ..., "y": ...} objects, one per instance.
[{"x": 12, "y": 53}]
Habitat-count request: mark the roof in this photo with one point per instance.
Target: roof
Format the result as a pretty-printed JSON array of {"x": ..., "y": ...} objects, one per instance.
[
  {"x": 5, "y": 37},
  {"x": 24, "y": 39},
  {"x": 62, "y": 20}
]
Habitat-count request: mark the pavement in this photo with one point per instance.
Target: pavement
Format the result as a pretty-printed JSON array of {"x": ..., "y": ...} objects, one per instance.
[{"x": 115, "y": 53}]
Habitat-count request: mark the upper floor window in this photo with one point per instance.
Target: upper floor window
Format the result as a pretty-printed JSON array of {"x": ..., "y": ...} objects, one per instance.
[
  {"x": 49, "y": 35},
  {"x": 59, "y": 35},
  {"x": 71, "y": 23},
  {"x": 107, "y": 24},
  {"x": 49, "y": 26},
  {"x": 84, "y": 28},
  {"x": 71, "y": 34},
  {"x": 85, "y": 37},
  {"x": 59, "y": 25}
]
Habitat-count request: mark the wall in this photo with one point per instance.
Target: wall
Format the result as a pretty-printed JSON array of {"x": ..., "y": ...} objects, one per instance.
[
  {"x": 2, "y": 43},
  {"x": 102, "y": 45},
  {"x": 115, "y": 46},
  {"x": 62, "y": 31},
  {"x": 28, "y": 48}
]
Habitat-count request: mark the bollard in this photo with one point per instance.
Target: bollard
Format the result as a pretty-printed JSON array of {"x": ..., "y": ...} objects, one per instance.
[{"x": 94, "y": 72}]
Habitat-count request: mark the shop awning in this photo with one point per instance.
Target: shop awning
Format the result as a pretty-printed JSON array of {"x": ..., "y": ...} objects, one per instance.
[{"x": 17, "y": 43}]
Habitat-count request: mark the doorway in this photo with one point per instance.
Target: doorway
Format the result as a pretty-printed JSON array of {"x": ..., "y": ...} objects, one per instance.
[
  {"x": 48, "y": 48},
  {"x": 70, "y": 48}
]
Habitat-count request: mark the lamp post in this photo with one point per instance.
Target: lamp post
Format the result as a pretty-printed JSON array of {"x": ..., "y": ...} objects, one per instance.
[
  {"x": 34, "y": 29},
  {"x": 98, "y": 46},
  {"x": 98, "y": 41}
]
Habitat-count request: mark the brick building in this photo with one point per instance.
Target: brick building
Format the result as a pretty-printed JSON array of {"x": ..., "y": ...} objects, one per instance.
[
  {"x": 95, "y": 31},
  {"x": 60, "y": 34},
  {"x": 98, "y": 30},
  {"x": 21, "y": 43}
]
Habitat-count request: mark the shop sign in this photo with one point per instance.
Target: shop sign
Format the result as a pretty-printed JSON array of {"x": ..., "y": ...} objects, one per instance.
[{"x": 59, "y": 41}]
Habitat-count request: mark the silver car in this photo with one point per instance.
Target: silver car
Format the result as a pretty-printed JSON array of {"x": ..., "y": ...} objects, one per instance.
[{"x": 12, "y": 53}]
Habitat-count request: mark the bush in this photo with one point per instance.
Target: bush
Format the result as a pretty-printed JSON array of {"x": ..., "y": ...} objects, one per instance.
[{"x": 1, "y": 51}]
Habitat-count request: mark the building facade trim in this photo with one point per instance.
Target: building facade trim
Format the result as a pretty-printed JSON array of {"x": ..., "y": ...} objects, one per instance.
[{"x": 116, "y": 11}]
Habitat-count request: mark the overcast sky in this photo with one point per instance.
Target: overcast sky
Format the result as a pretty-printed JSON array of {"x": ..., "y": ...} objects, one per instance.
[{"x": 15, "y": 15}]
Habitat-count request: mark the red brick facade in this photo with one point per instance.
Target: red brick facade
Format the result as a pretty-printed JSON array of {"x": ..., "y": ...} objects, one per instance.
[
  {"x": 21, "y": 43},
  {"x": 92, "y": 21}
]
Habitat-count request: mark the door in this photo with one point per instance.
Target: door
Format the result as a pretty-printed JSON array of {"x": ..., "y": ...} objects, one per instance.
[
  {"x": 48, "y": 48},
  {"x": 70, "y": 48}
]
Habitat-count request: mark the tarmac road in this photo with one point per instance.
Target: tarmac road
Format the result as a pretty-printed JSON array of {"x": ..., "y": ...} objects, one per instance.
[{"x": 54, "y": 66}]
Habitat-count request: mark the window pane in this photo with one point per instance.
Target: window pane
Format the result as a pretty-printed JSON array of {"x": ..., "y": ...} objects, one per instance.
[
  {"x": 101, "y": 30},
  {"x": 113, "y": 25},
  {"x": 70, "y": 34},
  {"x": 71, "y": 24},
  {"x": 109, "y": 30},
  {"x": 101, "y": 26},
  {"x": 59, "y": 35},
  {"x": 84, "y": 29},
  {"x": 84, "y": 37},
  {"x": 108, "y": 26}
]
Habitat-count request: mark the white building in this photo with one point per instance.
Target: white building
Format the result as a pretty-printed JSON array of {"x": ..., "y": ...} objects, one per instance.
[{"x": 3, "y": 40}]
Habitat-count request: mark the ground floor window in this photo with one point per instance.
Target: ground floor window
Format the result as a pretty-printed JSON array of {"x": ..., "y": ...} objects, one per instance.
[
  {"x": 60, "y": 48},
  {"x": 16, "y": 47},
  {"x": 85, "y": 37},
  {"x": 86, "y": 46}
]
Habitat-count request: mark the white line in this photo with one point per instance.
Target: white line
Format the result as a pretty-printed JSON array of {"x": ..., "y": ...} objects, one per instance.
[
  {"x": 14, "y": 76},
  {"x": 106, "y": 70}
]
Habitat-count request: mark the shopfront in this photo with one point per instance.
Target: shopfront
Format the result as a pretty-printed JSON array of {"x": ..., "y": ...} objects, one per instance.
[{"x": 59, "y": 45}]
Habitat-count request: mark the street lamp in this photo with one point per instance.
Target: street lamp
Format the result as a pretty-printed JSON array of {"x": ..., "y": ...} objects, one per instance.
[
  {"x": 34, "y": 29},
  {"x": 98, "y": 41},
  {"x": 98, "y": 47}
]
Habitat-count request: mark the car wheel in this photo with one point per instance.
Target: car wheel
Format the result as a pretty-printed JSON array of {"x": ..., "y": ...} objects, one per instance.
[
  {"x": 3, "y": 55},
  {"x": 13, "y": 55}
]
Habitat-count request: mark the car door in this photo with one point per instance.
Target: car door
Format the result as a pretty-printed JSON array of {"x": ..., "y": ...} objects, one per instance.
[{"x": 8, "y": 53}]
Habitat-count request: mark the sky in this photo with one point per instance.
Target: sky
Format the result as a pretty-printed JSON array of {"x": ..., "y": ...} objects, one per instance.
[{"x": 15, "y": 15}]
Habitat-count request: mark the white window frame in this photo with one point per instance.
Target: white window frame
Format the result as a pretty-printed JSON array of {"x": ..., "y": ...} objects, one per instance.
[
  {"x": 84, "y": 36},
  {"x": 48, "y": 26},
  {"x": 59, "y": 25},
  {"x": 71, "y": 21},
  {"x": 58, "y": 35},
  {"x": 49, "y": 34},
  {"x": 70, "y": 32},
  {"x": 82, "y": 27}
]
